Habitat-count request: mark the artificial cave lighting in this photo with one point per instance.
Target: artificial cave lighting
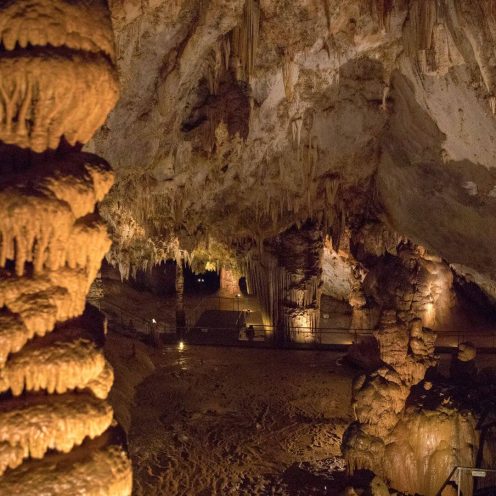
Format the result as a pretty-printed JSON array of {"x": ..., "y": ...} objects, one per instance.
[{"x": 247, "y": 247}]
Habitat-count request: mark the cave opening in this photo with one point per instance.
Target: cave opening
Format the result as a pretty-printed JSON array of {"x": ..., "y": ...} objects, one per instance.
[{"x": 206, "y": 283}]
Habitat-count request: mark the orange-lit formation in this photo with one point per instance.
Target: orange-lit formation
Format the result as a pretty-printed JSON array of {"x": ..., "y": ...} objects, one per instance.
[
  {"x": 58, "y": 83},
  {"x": 412, "y": 445}
]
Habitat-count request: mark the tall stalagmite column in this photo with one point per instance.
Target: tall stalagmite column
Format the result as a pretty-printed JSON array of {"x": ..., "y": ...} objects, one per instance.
[
  {"x": 57, "y": 84},
  {"x": 286, "y": 277},
  {"x": 180, "y": 313},
  {"x": 300, "y": 255},
  {"x": 412, "y": 436}
]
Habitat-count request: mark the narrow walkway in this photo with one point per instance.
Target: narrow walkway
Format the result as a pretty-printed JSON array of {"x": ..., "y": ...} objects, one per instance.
[{"x": 141, "y": 314}]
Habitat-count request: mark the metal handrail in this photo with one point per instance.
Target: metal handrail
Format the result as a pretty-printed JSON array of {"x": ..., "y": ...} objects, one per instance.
[
  {"x": 319, "y": 332},
  {"x": 458, "y": 470},
  {"x": 123, "y": 311}
]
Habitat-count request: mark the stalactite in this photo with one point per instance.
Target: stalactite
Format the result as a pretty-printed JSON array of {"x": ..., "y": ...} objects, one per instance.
[
  {"x": 290, "y": 73},
  {"x": 180, "y": 314},
  {"x": 385, "y": 95},
  {"x": 296, "y": 125},
  {"x": 32, "y": 128},
  {"x": 215, "y": 68},
  {"x": 244, "y": 41},
  {"x": 383, "y": 9},
  {"x": 67, "y": 420},
  {"x": 492, "y": 104},
  {"x": 226, "y": 50}
]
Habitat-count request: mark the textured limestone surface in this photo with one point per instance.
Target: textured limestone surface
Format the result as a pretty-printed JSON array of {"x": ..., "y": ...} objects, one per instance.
[
  {"x": 58, "y": 82},
  {"x": 243, "y": 122},
  {"x": 57, "y": 74},
  {"x": 240, "y": 118}
]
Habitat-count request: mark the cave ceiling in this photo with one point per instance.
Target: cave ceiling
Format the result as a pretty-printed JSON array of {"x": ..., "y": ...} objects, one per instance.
[{"x": 240, "y": 118}]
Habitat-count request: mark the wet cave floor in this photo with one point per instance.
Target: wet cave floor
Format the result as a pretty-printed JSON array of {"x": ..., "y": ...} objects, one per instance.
[{"x": 222, "y": 421}]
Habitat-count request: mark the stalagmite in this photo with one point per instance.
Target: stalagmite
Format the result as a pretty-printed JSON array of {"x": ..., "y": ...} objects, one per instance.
[
  {"x": 412, "y": 443},
  {"x": 58, "y": 80}
]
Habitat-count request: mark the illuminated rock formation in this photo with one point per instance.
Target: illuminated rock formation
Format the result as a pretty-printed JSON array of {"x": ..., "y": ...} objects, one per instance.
[
  {"x": 180, "y": 314},
  {"x": 229, "y": 282},
  {"x": 241, "y": 119},
  {"x": 59, "y": 80},
  {"x": 287, "y": 278},
  {"x": 426, "y": 444},
  {"x": 300, "y": 255},
  {"x": 58, "y": 84},
  {"x": 412, "y": 444}
]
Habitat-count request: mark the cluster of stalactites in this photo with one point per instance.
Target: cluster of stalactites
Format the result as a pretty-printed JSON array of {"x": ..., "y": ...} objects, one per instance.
[
  {"x": 236, "y": 50},
  {"x": 57, "y": 79},
  {"x": 434, "y": 32},
  {"x": 51, "y": 224}
]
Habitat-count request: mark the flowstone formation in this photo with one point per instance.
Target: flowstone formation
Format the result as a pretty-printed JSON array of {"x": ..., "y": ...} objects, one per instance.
[
  {"x": 287, "y": 277},
  {"x": 414, "y": 445},
  {"x": 57, "y": 434}
]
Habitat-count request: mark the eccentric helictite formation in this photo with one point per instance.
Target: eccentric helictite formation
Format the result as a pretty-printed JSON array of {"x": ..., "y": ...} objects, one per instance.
[{"x": 58, "y": 83}]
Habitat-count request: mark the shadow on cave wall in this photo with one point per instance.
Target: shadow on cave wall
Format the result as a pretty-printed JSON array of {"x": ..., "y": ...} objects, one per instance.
[{"x": 424, "y": 197}]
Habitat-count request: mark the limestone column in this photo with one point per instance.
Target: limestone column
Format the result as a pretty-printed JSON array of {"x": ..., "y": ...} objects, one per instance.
[
  {"x": 229, "y": 282},
  {"x": 180, "y": 313},
  {"x": 57, "y": 84},
  {"x": 300, "y": 257},
  {"x": 410, "y": 436}
]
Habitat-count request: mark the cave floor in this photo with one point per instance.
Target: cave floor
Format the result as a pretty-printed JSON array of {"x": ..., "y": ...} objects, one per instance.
[{"x": 221, "y": 421}]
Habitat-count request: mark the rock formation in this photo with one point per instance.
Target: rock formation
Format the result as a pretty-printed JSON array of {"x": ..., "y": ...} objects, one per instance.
[
  {"x": 251, "y": 133},
  {"x": 58, "y": 84},
  {"x": 412, "y": 444},
  {"x": 286, "y": 275},
  {"x": 290, "y": 111}
]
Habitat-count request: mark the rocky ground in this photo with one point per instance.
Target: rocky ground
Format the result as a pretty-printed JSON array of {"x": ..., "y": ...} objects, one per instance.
[{"x": 212, "y": 421}]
